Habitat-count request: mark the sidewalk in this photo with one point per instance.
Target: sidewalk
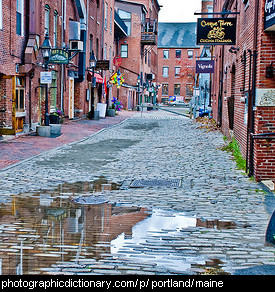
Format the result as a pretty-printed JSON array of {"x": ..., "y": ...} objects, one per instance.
[{"x": 25, "y": 146}]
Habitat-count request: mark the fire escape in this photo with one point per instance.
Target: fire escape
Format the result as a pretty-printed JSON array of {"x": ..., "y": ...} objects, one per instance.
[{"x": 149, "y": 32}]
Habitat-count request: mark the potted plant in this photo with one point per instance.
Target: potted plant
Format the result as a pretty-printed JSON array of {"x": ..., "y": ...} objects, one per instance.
[
  {"x": 55, "y": 117},
  {"x": 114, "y": 108}
]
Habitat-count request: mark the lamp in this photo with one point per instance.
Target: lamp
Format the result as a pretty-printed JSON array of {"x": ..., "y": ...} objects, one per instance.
[
  {"x": 46, "y": 49},
  {"x": 92, "y": 66},
  {"x": 92, "y": 60}
]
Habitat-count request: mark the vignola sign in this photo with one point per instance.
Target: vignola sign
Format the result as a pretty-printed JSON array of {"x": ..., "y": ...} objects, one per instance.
[
  {"x": 269, "y": 15},
  {"x": 216, "y": 31}
]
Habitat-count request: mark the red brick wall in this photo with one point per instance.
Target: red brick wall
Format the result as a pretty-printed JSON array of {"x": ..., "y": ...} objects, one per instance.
[
  {"x": 264, "y": 154},
  {"x": 187, "y": 68}
]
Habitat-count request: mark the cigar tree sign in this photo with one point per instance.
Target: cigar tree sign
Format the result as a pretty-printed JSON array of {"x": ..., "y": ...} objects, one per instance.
[
  {"x": 216, "y": 31},
  {"x": 269, "y": 15}
]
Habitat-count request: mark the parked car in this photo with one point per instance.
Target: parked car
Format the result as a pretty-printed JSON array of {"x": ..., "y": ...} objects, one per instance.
[
  {"x": 205, "y": 111},
  {"x": 178, "y": 102}
]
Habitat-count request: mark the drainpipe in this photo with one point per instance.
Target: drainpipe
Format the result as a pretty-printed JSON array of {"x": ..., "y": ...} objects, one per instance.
[
  {"x": 81, "y": 9},
  {"x": 253, "y": 90}
]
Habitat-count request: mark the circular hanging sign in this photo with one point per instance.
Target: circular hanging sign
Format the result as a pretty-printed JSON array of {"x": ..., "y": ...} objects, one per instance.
[{"x": 117, "y": 61}]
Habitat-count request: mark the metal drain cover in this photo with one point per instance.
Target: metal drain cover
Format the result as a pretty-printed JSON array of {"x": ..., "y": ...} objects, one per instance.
[
  {"x": 141, "y": 183},
  {"x": 91, "y": 200}
]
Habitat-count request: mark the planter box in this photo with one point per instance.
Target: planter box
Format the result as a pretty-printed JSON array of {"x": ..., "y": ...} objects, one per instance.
[
  {"x": 111, "y": 112},
  {"x": 54, "y": 119},
  {"x": 43, "y": 131},
  {"x": 53, "y": 130}
]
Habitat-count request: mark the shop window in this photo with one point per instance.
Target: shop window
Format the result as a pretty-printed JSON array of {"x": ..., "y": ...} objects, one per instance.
[
  {"x": 53, "y": 91},
  {"x": 177, "y": 89},
  {"x": 20, "y": 94},
  {"x": 189, "y": 89},
  {"x": 165, "y": 89}
]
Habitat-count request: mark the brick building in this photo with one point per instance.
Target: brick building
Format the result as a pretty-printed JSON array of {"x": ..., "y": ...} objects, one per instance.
[
  {"x": 177, "y": 51},
  {"x": 243, "y": 95},
  {"x": 138, "y": 51}
]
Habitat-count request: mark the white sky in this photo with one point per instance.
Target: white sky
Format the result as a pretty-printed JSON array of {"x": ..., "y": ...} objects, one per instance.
[{"x": 179, "y": 10}]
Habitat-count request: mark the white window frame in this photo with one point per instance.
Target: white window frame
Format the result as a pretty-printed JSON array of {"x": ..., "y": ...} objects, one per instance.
[
  {"x": 164, "y": 54},
  {"x": 47, "y": 18},
  {"x": 165, "y": 69},
  {"x": 20, "y": 9},
  {"x": 105, "y": 15},
  {"x": 1, "y": 15},
  {"x": 124, "y": 53}
]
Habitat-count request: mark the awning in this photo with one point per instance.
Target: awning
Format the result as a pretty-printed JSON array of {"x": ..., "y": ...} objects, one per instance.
[{"x": 99, "y": 78}]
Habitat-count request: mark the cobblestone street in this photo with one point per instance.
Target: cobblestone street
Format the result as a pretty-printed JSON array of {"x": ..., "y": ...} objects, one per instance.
[{"x": 176, "y": 204}]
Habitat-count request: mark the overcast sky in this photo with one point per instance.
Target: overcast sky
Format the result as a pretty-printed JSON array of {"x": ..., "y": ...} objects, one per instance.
[{"x": 179, "y": 10}]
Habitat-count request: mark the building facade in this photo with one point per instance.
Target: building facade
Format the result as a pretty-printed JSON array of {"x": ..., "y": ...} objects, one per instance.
[
  {"x": 137, "y": 52},
  {"x": 243, "y": 91},
  {"x": 76, "y": 29},
  {"x": 177, "y": 52}
]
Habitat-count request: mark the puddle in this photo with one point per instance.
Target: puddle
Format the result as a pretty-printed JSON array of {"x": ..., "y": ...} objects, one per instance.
[
  {"x": 47, "y": 231},
  {"x": 40, "y": 231}
]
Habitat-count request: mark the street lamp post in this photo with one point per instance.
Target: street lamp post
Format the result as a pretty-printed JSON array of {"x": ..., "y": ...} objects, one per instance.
[
  {"x": 46, "y": 52},
  {"x": 92, "y": 66}
]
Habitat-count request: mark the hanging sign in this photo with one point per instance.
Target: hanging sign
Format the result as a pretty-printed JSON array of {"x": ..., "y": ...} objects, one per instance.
[
  {"x": 216, "y": 31},
  {"x": 206, "y": 66},
  {"x": 269, "y": 15},
  {"x": 59, "y": 56}
]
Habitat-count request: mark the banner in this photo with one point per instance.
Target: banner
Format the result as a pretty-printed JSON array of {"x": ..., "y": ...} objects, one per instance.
[
  {"x": 216, "y": 31},
  {"x": 205, "y": 66}
]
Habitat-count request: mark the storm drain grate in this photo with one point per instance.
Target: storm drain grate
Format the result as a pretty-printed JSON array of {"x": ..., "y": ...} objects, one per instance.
[
  {"x": 141, "y": 183},
  {"x": 91, "y": 200}
]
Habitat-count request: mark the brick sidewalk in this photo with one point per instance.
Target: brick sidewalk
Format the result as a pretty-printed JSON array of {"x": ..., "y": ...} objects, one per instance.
[{"x": 23, "y": 147}]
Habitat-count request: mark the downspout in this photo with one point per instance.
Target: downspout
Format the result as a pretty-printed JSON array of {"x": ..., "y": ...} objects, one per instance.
[
  {"x": 253, "y": 91},
  {"x": 220, "y": 98},
  {"x": 81, "y": 9},
  {"x": 62, "y": 65}
]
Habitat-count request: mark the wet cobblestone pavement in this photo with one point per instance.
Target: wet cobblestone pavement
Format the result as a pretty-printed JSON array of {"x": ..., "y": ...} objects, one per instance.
[{"x": 176, "y": 205}]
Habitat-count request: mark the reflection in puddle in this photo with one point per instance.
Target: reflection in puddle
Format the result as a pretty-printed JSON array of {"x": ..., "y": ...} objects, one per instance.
[
  {"x": 217, "y": 224},
  {"x": 210, "y": 267},
  {"x": 39, "y": 231}
]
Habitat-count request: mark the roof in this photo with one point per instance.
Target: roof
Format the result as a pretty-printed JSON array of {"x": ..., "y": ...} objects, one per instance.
[{"x": 177, "y": 35}]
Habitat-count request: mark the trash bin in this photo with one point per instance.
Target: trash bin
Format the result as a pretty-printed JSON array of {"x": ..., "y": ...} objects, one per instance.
[{"x": 96, "y": 115}]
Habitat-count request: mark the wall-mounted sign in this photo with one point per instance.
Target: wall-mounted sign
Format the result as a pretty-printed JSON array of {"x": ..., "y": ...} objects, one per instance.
[
  {"x": 269, "y": 15},
  {"x": 102, "y": 65},
  {"x": 206, "y": 66},
  {"x": 265, "y": 97},
  {"x": 59, "y": 56},
  {"x": 46, "y": 77},
  {"x": 216, "y": 31}
]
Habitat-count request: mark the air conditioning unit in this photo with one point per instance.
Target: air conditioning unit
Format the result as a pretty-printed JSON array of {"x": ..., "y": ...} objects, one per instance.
[{"x": 76, "y": 45}]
